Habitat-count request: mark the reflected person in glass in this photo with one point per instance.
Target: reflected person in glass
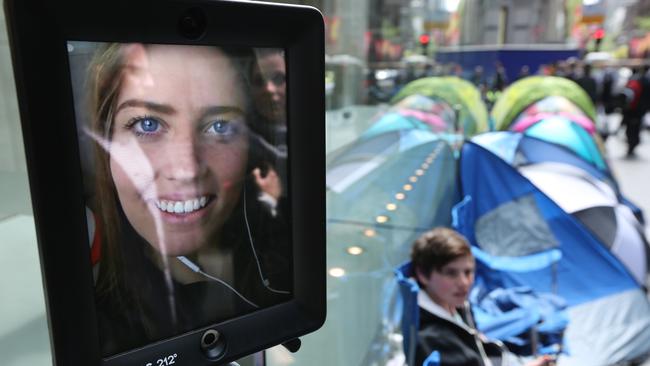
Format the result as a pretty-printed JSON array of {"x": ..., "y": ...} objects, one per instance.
[{"x": 269, "y": 91}]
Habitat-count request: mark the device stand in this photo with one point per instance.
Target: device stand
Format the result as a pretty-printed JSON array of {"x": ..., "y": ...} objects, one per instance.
[{"x": 293, "y": 345}]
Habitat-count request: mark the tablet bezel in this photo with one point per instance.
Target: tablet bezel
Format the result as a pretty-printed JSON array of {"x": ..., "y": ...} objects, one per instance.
[{"x": 38, "y": 33}]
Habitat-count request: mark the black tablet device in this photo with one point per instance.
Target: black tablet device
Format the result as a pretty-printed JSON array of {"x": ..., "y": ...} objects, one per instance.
[{"x": 176, "y": 162}]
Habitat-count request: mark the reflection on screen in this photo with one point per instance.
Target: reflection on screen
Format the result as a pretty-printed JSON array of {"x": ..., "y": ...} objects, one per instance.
[{"x": 184, "y": 162}]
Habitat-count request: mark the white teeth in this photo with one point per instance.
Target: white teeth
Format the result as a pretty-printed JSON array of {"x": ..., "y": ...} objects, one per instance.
[{"x": 180, "y": 207}]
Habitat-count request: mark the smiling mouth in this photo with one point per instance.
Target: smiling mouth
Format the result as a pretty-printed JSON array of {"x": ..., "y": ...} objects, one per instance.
[{"x": 183, "y": 207}]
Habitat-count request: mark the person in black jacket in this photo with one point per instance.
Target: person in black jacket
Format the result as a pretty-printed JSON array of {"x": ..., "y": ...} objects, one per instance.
[
  {"x": 444, "y": 269},
  {"x": 588, "y": 83},
  {"x": 634, "y": 110}
]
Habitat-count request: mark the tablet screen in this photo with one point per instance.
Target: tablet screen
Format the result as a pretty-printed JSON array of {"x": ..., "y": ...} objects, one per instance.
[{"x": 184, "y": 162}]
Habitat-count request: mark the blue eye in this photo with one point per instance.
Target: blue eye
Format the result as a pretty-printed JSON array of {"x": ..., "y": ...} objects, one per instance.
[
  {"x": 222, "y": 128},
  {"x": 146, "y": 125}
]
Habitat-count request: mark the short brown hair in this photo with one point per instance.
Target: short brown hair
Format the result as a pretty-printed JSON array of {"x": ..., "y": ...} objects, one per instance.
[{"x": 436, "y": 248}]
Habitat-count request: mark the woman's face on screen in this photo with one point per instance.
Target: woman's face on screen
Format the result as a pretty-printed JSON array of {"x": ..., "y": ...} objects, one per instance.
[{"x": 179, "y": 144}]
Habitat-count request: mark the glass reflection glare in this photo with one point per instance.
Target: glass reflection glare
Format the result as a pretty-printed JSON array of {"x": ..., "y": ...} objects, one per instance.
[
  {"x": 336, "y": 272},
  {"x": 355, "y": 250}
]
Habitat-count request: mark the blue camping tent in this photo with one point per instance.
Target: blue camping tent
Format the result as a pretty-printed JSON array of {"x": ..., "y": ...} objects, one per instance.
[
  {"x": 404, "y": 120},
  {"x": 394, "y": 121},
  {"x": 563, "y": 131},
  {"x": 508, "y": 217},
  {"x": 520, "y": 150}
]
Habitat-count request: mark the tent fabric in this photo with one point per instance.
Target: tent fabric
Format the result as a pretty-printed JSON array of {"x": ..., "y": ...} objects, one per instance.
[
  {"x": 629, "y": 244},
  {"x": 608, "y": 330},
  {"x": 586, "y": 271},
  {"x": 504, "y": 323},
  {"x": 514, "y": 228},
  {"x": 522, "y": 124},
  {"x": 571, "y": 188},
  {"x": 538, "y": 150},
  {"x": 434, "y": 122},
  {"x": 408, "y": 121},
  {"x": 524, "y": 92},
  {"x": 599, "y": 275},
  {"x": 502, "y": 143},
  {"x": 596, "y": 206},
  {"x": 502, "y": 312},
  {"x": 460, "y": 94},
  {"x": 526, "y": 263},
  {"x": 394, "y": 121},
  {"x": 519, "y": 150},
  {"x": 432, "y": 360},
  {"x": 604, "y": 223},
  {"x": 565, "y": 132},
  {"x": 554, "y": 104},
  {"x": 429, "y": 105}
]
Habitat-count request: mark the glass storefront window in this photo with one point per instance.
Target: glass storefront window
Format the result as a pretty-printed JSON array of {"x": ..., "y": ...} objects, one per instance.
[
  {"x": 24, "y": 336},
  {"x": 381, "y": 194}
]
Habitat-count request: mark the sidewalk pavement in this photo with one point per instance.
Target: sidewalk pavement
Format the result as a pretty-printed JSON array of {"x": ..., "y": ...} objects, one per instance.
[{"x": 632, "y": 173}]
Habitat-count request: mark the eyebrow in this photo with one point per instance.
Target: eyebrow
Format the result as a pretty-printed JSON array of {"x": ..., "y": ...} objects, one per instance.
[
  {"x": 221, "y": 110},
  {"x": 168, "y": 109},
  {"x": 156, "y": 107}
]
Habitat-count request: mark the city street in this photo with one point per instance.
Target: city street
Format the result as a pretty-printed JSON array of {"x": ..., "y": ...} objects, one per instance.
[{"x": 632, "y": 173}]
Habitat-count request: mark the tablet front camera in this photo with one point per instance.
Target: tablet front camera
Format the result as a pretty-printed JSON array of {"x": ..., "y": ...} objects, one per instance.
[{"x": 192, "y": 23}]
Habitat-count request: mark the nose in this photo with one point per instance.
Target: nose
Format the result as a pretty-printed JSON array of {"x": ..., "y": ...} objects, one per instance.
[
  {"x": 184, "y": 162},
  {"x": 466, "y": 280},
  {"x": 271, "y": 87}
]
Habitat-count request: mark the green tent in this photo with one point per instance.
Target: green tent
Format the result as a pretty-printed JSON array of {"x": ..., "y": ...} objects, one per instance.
[
  {"x": 521, "y": 94},
  {"x": 458, "y": 93}
]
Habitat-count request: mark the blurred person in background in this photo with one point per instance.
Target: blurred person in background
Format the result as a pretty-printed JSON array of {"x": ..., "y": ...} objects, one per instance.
[
  {"x": 500, "y": 78},
  {"x": 607, "y": 90},
  {"x": 523, "y": 72},
  {"x": 634, "y": 110},
  {"x": 477, "y": 77},
  {"x": 588, "y": 83}
]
